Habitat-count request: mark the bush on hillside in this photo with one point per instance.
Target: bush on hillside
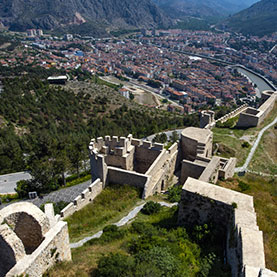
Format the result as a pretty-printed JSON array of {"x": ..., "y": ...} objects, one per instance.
[{"x": 151, "y": 208}]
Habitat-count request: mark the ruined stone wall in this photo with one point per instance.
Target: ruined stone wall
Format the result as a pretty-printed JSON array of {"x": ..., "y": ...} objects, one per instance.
[
  {"x": 124, "y": 162},
  {"x": 247, "y": 120},
  {"x": 19, "y": 250},
  {"x": 190, "y": 169},
  {"x": 232, "y": 114},
  {"x": 189, "y": 148},
  {"x": 228, "y": 168},
  {"x": 233, "y": 214},
  {"x": 53, "y": 249},
  {"x": 254, "y": 117},
  {"x": 210, "y": 173},
  {"x": 86, "y": 197},
  {"x": 162, "y": 171}
]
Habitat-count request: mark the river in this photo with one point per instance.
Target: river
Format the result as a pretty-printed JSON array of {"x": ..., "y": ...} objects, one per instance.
[{"x": 261, "y": 84}]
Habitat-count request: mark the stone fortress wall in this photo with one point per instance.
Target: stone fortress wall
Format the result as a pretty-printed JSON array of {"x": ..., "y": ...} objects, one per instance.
[
  {"x": 254, "y": 117},
  {"x": 207, "y": 120},
  {"x": 132, "y": 161},
  {"x": 86, "y": 197},
  {"x": 234, "y": 215},
  {"x": 197, "y": 160},
  {"x": 31, "y": 241}
]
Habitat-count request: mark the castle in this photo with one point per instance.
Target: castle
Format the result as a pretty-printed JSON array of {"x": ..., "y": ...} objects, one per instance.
[{"x": 32, "y": 241}]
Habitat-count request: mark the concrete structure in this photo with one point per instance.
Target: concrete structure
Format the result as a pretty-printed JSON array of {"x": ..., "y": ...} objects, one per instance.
[
  {"x": 234, "y": 215},
  {"x": 31, "y": 241},
  {"x": 254, "y": 117},
  {"x": 58, "y": 80},
  {"x": 131, "y": 161}
]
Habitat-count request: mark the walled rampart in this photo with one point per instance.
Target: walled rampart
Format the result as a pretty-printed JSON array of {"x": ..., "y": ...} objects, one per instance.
[
  {"x": 125, "y": 177},
  {"x": 254, "y": 117},
  {"x": 232, "y": 114},
  {"x": 31, "y": 241},
  {"x": 83, "y": 199},
  {"x": 210, "y": 173},
  {"x": 149, "y": 163},
  {"x": 233, "y": 214}
]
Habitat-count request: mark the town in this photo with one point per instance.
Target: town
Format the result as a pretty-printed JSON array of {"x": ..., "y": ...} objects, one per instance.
[{"x": 182, "y": 66}]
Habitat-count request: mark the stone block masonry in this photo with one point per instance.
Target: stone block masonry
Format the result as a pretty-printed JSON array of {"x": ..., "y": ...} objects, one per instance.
[
  {"x": 254, "y": 117},
  {"x": 31, "y": 241},
  {"x": 131, "y": 161},
  {"x": 233, "y": 213},
  {"x": 86, "y": 197}
]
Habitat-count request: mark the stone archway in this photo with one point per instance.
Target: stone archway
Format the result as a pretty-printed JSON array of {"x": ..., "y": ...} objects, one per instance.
[
  {"x": 11, "y": 249},
  {"x": 28, "y": 230},
  {"x": 28, "y": 222}
]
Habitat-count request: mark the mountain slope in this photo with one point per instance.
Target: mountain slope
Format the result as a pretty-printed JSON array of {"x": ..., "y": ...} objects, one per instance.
[
  {"x": 202, "y": 8},
  {"x": 49, "y": 14},
  {"x": 260, "y": 19}
]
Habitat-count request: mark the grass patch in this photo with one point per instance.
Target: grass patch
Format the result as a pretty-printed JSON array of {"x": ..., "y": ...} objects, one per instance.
[
  {"x": 231, "y": 142},
  {"x": 264, "y": 191},
  {"x": 153, "y": 245},
  {"x": 108, "y": 207},
  {"x": 265, "y": 158},
  {"x": 230, "y": 145}
]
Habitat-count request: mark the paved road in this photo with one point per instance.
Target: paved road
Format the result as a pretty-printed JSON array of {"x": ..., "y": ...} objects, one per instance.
[
  {"x": 132, "y": 214},
  {"x": 66, "y": 195},
  {"x": 8, "y": 181},
  {"x": 168, "y": 134},
  {"x": 254, "y": 147}
]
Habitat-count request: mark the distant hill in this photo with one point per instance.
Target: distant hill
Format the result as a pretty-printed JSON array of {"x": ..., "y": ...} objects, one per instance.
[
  {"x": 260, "y": 19},
  {"x": 20, "y": 15},
  {"x": 202, "y": 8}
]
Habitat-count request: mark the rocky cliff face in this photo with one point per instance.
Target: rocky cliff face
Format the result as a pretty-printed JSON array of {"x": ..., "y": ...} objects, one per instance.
[{"x": 50, "y": 14}]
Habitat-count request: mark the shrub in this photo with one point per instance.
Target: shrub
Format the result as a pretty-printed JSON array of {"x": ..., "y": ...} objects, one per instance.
[
  {"x": 116, "y": 265},
  {"x": 112, "y": 232},
  {"x": 245, "y": 144},
  {"x": 151, "y": 208},
  {"x": 243, "y": 186},
  {"x": 174, "y": 194},
  {"x": 144, "y": 228}
]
